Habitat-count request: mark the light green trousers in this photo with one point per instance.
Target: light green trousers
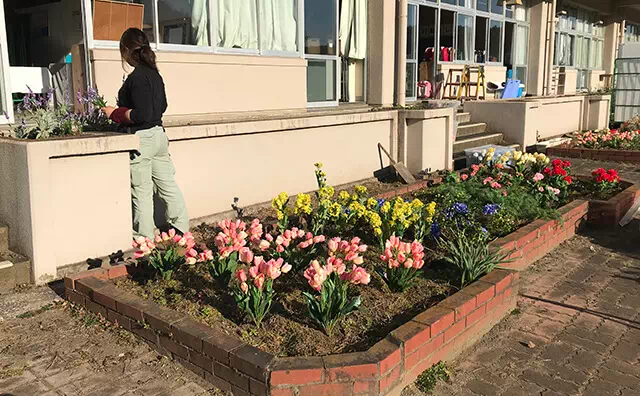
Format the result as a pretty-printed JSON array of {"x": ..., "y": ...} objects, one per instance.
[{"x": 153, "y": 171}]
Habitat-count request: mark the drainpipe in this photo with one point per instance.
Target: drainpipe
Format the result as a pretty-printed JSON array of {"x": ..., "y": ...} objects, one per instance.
[
  {"x": 551, "y": 21},
  {"x": 401, "y": 54}
]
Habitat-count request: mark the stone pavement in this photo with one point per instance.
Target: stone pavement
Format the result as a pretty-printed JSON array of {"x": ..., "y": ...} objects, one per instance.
[
  {"x": 580, "y": 308},
  {"x": 629, "y": 172}
]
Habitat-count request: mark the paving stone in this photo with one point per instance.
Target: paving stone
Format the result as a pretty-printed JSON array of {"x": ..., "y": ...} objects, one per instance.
[
  {"x": 578, "y": 342},
  {"x": 585, "y": 360},
  {"x": 522, "y": 388},
  {"x": 564, "y": 372},
  {"x": 623, "y": 367},
  {"x": 629, "y": 351},
  {"x": 591, "y": 335},
  {"x": 548, "y": 382},
  {"x": 558, "y": 352},
  {"x": 482, "y": 388},
  {"x": 597, "y": 386},
  {"x": 68, "y": 375},
  {"x": 619, "y": 378}
]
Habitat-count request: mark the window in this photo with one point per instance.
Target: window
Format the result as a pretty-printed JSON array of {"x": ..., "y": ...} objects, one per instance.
[
  {"x": 184, "y": 22},
  {"x": 496, "y": 6},
  {"x": 278, "y": 21},
  {"x": 446, "y": 35},
  {"x": 320, "y": 34},
  {"x": 464, "y": 50},
  {"x": 564, "y": 49},
  {"x": 481, "y": 39},
  {"x": 632, "y": 33},
  {"x": 495, "y": 41},
  {"x": 412, "y": 51},
  {"x": 482, "y": 5}
]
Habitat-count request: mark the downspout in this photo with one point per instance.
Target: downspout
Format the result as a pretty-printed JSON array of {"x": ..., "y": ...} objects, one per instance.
[
  {"x": 401, "y": 54},
  {"x": 551, "y": 21}
]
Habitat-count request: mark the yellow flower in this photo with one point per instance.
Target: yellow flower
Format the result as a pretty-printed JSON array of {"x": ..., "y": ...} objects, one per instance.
[
  {"x": 335, "y": 209},
  {"x": 358, "y": 209},
  {"x": 372, "y": 203},
  {"x": 517, "y": 155},
  {"x": 303, "y": 204},
  {"x": 280, "y": 201},
  {"x": 374, "y": 219},
  {"x": 361, "y": 190},
  {"x": 385, "y": 207},
  {"x": 326, "y": 193},
  {"x": 430, "y": 211},
  {"x": 344, "y": 197},
  {"x": 318, "y": 165},
  {"x": 377, "y": 231}
]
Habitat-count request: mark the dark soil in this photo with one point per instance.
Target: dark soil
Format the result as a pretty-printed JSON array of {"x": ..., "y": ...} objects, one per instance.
[{"x": 288, "y": 330}]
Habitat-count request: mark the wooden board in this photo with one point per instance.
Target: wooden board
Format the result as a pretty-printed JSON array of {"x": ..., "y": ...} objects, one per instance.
[
  {"x": 112, "y": 18},
  {"x": 631, "y": 214}
]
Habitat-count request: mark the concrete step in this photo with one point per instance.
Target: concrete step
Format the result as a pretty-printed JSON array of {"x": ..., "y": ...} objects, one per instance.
[
  {"x": 14, "y": 270},
  {"x": 476, "y": 140},
  {"x": 4, "y": 238},
  {"x": 463, "y": 118},
  {"x": 471, "y": 129}
]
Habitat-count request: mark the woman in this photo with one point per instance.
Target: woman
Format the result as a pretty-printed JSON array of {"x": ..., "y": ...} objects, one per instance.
[{"x": 141, "y": 103}]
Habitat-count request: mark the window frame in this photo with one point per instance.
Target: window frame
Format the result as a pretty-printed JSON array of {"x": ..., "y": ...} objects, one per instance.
[{"x": 335, "y": 58}]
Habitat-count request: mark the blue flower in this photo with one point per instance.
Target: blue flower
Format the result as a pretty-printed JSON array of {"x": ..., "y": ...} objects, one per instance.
[
  {"x": 460, "y": 208},
  {"x": 381, "y": 202},
  {"x": 490, "y": 209},
  {"x": 435, "y": 230},
  {"x": 484, "y": 230},
  {"x": 347, "y": 211}
]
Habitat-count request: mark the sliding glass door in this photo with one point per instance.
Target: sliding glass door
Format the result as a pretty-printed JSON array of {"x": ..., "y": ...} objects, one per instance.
[
  {"x": 422, "y": 27},
  {"x": 412, "y": 53},
  {"x": 321, "y": 52}
]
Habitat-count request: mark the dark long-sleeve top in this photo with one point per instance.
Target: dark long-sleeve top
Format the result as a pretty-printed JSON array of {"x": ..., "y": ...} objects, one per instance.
[{"x": 143, "y": 92}]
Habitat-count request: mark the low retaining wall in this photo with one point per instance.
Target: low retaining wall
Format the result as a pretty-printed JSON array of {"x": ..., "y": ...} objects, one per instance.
[
  {"x": 439, "y": 333},
  {"x": 632, "y": 156}
]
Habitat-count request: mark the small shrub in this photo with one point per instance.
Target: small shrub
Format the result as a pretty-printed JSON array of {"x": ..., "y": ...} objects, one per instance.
[
  {"x": 404, "y": 262},
  {"x": 428, "y": 380}
]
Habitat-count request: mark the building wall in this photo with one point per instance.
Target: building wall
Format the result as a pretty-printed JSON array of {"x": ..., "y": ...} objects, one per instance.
[
  {"x": 207, "y": 83},
  {"x": 381, "y": 45},
  {"x": 537, "y": 59}
]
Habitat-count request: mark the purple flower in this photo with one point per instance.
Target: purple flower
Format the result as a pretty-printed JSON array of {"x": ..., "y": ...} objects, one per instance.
[{"x": 490, "y": 209}]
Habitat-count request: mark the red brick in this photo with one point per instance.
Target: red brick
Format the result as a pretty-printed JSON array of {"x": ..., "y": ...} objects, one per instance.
[
  {"x": 143, "y": 332},
  {"x": 257, "y": 387},
  {"x": 494, "y": 302},
  {"x": 105, "y": 296},
  {"x": 201, "y": 361},
  {"x": 131, "y": 306},
  {"x": 433, "y": 345},
  {"x": 507, "y": 294},
  {"x": 297, "y": 371},
  {"x": 174, "y": 347},
  {"x": 191, "y": 333},
  {"x": 461, "y": 303},
  {"x": 366, "y": 388},
  {"x": 118, "y": 271},
  {"x": 161, "y": 318},
  {"x": 528, "y": 237},
  {"x": 412, "y": 335},
  {"x": 236, "y": 391},
  {"x": 220, "y": 346},
  {"x": 500, "y": 278},
  {"x": 453, "y": 331},
  {"x": 251, "y": 361},
  {"x": 121, "y": 320},
  {"x": 387, "y": 352},
  {"x": 483, "y": 291},
  {"x": 438, "y": 319},
  {"x": 475, "y": 315},
  {"x": 413, "y": 359},
  {"x": 325, "y": 390},
  {"x": 350, "y": 366},
  {"x": 390, "y": 361},
  {"x": 230, "y": 375},
  {"x": 74, "y": 297},
  {"x": 95, "y": 308},
  {"x": 387, "y": 381},
  {"x": 189, "y": 366}
]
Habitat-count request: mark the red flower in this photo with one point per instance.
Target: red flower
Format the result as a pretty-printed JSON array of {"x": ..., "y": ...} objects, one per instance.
[
  {"x": 567, "y": 164},
  {"x": 557, "y": 162},
  {"x": 547, "y": 171},
  {"x": 557, "y": 170},
  {"x": 568, "y": 179}
]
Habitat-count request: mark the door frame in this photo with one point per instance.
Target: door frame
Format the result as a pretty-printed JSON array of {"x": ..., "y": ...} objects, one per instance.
[{"x": 6, "y": 101}]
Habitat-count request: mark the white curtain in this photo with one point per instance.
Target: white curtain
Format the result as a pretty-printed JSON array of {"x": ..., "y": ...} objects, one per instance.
[
  {"x": 522, "y": 45},
  {"x": 279, "y": 25},
  {"x": 465, "y": 38},
  {"x": 353, "y": 29},
  {"x": 237, "y": 24},
  {"x": 200, "y": 23}
]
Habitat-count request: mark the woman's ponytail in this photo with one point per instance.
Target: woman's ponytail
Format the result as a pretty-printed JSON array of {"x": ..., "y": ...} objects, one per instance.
[{"x": 135, "y": 49}]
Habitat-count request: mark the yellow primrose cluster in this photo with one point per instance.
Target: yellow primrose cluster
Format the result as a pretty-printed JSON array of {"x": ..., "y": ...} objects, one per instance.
[
  {"x": 279, "y": 203},
  {"x": 374, "y": 220},
  {"x": 326, "y": 193},
  {"x": 361, "y": 190},
  {"x": 430, "y": 211},
  {"x": 519, "y": 158},
  {"x": 303, "y": 204}
]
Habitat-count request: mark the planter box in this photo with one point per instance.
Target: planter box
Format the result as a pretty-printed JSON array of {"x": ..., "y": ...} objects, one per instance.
[
  {"x": 439, "y": 333},
  {"x": 66, "y": 200},
  {"x": 425, "y": 139},
  {"x": 632, "y": 156}
]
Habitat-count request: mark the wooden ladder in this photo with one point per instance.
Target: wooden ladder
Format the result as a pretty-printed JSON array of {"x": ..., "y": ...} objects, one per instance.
[{"x": 466, "y": 83}]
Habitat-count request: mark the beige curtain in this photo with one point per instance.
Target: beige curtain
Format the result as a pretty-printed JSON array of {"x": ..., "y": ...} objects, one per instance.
[
  {"x": 200, "y": 23},
  {"x": 237, "y": 24},
  {"x": 353, "y": 29},
  {"x": 279, "y": 25}
]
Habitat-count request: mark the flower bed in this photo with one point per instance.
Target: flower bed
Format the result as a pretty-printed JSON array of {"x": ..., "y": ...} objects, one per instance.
[
  {"x": 606, "y": 145},
  {"x": 230, "y": 333}
]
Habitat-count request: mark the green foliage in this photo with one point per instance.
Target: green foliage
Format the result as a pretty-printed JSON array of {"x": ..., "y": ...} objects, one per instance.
[
  {"x": 256, "y": 302},
  {"x": 333, "y": 304},
  {"x": 222, "y": 268},
  {"x": 428, "y": 380},
  {"x": 472, "y": 259},
  {"x": 166, "y": 261},
  {"x": 399, "y": 279}
]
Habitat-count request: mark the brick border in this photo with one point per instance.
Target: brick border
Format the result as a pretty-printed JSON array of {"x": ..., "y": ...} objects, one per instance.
[
  {"x": 632, "y": 156},
  {"x": 439, "y": 333}
]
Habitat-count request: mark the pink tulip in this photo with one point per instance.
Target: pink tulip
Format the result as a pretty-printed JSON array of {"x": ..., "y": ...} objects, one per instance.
[
  {"x": 158, "y": 239},
  {"x": 358, "y": 260},
  {"x": 165, "y": 236},
  {"x": 253, "y": 271},
  {"x": 333, "y": 244},
  {"x": 241, "y": 275},
  {"x": 172, "y": 233},
  {"x": 408, "y": 263},
  {"x": 269, "y": 237},
  {"x": 464, "y": 176},
  {"x": 246, "y": 255},
  {"x": 273, "y": 272},
  {"x": 264, "y": 245},
  {"x": 244, "y": 287},
  {"x": 401, "y": 257},
  {"x": 319, "y": 239},
  {"x": 286, "y": 268},
  {"x": 259, "y": 281}
]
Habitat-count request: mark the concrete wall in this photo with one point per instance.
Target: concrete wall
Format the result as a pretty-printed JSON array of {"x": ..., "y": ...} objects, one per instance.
[
  {"x": 381, "y": 45},
  {"x": 528, "y": 121},
  {"x": 426, "y": 139},
  {"x": 208, "y": 83},
  {"x": 256, "y": 160},
  {"x": 538, "y": 25},
  {"x": 66, "y": 200}
]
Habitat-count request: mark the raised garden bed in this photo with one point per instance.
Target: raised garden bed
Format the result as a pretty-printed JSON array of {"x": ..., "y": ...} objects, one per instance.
[
  {"x": 384, "y": 364},
  {"x": 632, "y": 156},
  {"x": 605, "y": 145}
]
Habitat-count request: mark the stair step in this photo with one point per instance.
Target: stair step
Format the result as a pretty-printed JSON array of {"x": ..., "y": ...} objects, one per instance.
[
  {"x": 471, "y": 129},
  {"x": 477, "y": 140},
  {"x": 14, "y": 270},
  {"x": 463, "y": 118},
  {"x": 4, "y": 238}
]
